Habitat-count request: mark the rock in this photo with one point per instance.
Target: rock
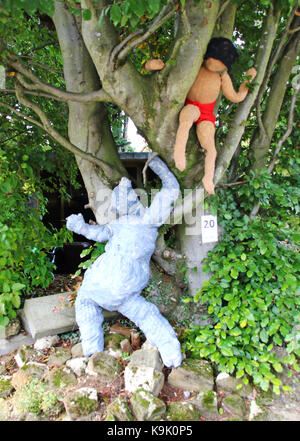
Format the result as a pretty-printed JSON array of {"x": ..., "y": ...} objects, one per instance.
[
  {"x": 135, "y": 339},
  {"x": 207, "y": 403},
  {"x": 104, "y": 366},
  {"x": 120, "y": 329},
  {"x": 46, "y": 342},
  {"x": 78, "y": 365},
  {"x": 125, "y": 346},
  {"x": 20, "y": 378},
  {"x": 77, "y": 351},
  {"x": 143, "y": 377},
  {"x": 35, "y": 399},
  {"x": 227, "y": 383},
  {"x": 192, "y": 375},
  {"x": 58, "y": 357},
  {"x": 6, "y": 387},
  {"x": 4, "y": 410},
  {"x": 119, "y": 410},
  {"x": 112, "y": 344},
  {"x": 2, "y": 369},
  {"x": 24, "y": 355},
  {"x": 81, "y": 402},
  {"x": 61, "y": 377},
  {"x": 13, "y": 328},
  {"x": 35, "y": 370},
  {"x": 257, "y": 413},
  {"x": 235, "y": 405},
  {"x": 182, "y": 411},
  {"x": 146, "y": 406},
  {"x": 42, "y": 316},
  {"x": 147, "y": 357}
]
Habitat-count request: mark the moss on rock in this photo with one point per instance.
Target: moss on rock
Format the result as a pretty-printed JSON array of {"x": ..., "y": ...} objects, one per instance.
[
  {"x": 192, "y": 375},
  {"x": 119, "y": 410},
  {"x": 61, "y": 377},
  {"x": 207, "y": 403},
  {"x": 81, "y": 402},
  {"x": 182, "y": 411},
  {"x": 235, "y": 405},
  {"x": 146, "y": 406},
  {"x": 4, "y": 410},
  {"x": 104, "y": 366},
  {"x": 6, "y": 387}
]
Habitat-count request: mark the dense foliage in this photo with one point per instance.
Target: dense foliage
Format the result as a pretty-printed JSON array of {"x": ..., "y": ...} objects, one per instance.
[
  {"x": 252, "y": 297},
  {"x": 24, "y": 239}
]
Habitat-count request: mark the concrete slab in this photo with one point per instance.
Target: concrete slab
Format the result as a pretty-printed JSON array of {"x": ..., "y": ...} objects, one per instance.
[
  {"x": 39, "y": 319},
  {"x": 8, "y": 345}
]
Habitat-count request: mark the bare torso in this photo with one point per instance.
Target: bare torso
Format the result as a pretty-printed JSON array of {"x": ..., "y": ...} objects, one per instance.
[{"x": 206, "y": 87}]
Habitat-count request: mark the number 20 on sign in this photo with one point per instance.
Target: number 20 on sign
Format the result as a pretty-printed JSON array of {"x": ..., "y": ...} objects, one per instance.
[{"x": 209, "y": 227}]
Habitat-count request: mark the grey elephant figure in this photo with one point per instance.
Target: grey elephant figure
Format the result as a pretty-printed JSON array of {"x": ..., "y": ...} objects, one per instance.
[{"x": 115, "y": 280}]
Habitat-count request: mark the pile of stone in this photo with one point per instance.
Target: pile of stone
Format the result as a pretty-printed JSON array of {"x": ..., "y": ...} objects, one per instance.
[
  {"x": 143, "y": 381},
  {"x": 53, "y": 382}
]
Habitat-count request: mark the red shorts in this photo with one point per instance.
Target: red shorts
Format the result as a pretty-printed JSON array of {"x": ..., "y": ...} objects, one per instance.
[{"x": 205, "y": 109}]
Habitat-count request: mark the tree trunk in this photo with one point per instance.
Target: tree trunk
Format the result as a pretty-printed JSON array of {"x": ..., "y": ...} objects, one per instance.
[{"x": 88, "y": 125}]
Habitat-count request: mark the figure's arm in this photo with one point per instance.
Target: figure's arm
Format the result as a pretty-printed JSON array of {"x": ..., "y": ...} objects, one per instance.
[
  {"x": 228, "y": 89},
  {"x": 155, "y": 64},
  {"x": 162, "y": 204},
  {"x": 99, "y": 233}
]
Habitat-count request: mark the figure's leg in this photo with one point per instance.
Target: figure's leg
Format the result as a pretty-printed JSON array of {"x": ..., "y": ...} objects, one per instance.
[
  {"x": 206, "y": 135},
  {"x": 89, "y": 319},
  {"x": 187, "y": 117},
  {"x": 156, "y": 328}
]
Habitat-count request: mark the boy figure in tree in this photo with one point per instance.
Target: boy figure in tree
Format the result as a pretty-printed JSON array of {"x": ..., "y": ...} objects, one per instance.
[{"x": 199, "y": 105}]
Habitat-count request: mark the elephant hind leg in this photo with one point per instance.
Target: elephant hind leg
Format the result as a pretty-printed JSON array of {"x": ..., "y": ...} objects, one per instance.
[{"x": 156, "y": 328}]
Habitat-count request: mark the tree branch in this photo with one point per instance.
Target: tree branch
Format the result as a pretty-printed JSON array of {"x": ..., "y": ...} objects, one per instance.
[
  {"x": 280, "y": 143},
  {"x": 42, "y": 66},
  {"x": 268, "y": 74},
  {"x": 48, "y": 43},
  {"x": 292, "y": 31},
  {"x": 47, "y": 126},
  {"x": 35, "y": 93},
  {"x": 222, "y": 8},
  {"x": 162, "y": 17},
  {"x": 95, "y": 96}
]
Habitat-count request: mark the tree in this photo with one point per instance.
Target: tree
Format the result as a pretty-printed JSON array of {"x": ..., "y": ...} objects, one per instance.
[{"x": 103, "y": 45}]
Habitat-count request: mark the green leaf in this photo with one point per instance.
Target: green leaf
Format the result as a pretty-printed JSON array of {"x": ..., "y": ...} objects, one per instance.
[
  {"x": 227, "y": 352},
  {"x": 264, "y": 336},
  {"x": 115, "y": 14},
  {"x": 101, "y": 18},
  {"x": 86, "y": 14},
  {"x": 138, "y": 7},
  {"x": 16, "y": 300},
  {"x": 277, "y": 366},
  {"x": 154, "y": 5},
  {"x": 234, "y": 273},
  {"x": 17, "y": 286}
]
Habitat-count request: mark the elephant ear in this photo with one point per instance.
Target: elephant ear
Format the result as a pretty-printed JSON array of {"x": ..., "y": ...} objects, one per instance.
[{"x": 125, "y": 201}]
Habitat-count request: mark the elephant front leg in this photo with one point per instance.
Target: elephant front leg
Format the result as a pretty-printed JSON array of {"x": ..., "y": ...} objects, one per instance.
[{"x": 89, "y": 318}]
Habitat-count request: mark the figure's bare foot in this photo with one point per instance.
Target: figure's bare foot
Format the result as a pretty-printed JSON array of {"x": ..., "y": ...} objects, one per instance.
[
  {"x": 180, "y": 162},
  {"x": 208, "y": 185}
]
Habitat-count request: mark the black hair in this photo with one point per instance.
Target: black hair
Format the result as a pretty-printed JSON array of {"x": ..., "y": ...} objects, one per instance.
[{"x": 222, "y": 49}]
